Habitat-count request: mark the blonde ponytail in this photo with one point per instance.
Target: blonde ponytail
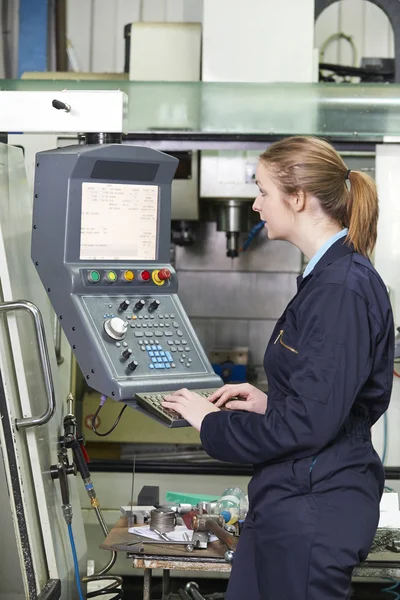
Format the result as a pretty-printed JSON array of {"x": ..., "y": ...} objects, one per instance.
[{"x": 362, "y": 212}]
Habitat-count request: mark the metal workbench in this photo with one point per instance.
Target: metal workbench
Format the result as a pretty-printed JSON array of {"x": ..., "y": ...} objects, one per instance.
[{"x": 378, "y": 566}]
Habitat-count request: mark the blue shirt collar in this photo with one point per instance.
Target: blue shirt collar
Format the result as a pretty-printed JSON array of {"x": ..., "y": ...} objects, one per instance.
[{"x": 318, "y": 255}]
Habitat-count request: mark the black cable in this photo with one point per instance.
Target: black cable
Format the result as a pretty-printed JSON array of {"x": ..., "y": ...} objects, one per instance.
[{"x": 112, "y": 428}]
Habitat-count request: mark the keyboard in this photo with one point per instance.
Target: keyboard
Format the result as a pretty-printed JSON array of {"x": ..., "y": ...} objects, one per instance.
[{"x": 152, "y": 403}]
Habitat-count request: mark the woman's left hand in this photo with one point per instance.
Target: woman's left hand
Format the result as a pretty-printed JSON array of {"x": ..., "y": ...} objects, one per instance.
[{"x": 190, "y": 405}]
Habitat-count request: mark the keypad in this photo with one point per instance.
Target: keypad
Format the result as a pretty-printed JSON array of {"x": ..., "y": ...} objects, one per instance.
[
  {"x": 159, "y": 358},
  {"x": 153, "y": 404},
  {"x": 151, "y": 328}
]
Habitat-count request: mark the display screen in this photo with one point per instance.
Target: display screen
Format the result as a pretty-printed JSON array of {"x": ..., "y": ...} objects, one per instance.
[{"x": 118, "y": 221}]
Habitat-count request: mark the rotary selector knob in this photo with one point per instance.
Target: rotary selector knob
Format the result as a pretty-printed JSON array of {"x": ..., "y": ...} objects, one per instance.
[
  {"x": 116, "y": 328},
  {"x": 126, "y": 353},
  {"x": 155, "y": 304},
  {"x": 124, "y": 305},
  {"x": 139, "y": 304},
  {"x": 133, "y": 365}
]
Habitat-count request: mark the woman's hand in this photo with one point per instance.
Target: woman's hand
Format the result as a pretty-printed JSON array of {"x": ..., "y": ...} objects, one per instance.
[
  {"x": 253, "y": 400},
  {"x": 190, "y": 406}
]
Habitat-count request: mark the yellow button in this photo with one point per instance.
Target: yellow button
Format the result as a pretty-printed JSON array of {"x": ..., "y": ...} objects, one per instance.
[
  {"x": 111, "y": 276},
  {"x": 156, "y": 278},
  {"x": 129, "y": 276}
]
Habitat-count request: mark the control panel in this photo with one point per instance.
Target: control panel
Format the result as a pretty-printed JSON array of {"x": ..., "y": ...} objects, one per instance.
[
  {"x": 101, "y": 244},
  {"x": 144, "y": 335}
]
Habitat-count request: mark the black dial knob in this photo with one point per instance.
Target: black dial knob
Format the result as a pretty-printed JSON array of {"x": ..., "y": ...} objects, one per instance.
[
  {"x": 124, "y": 305},
  {"x": 126, "y": 353},
  {"x": 132, "y": 365},
  {"x": 155, "y": 304},
  {"x": 139, "y": 304}
]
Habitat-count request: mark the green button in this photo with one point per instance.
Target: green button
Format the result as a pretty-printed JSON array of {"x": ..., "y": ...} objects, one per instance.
[
  {"x": 94, "y": 276},
  {"x": 112, "y": 276}
]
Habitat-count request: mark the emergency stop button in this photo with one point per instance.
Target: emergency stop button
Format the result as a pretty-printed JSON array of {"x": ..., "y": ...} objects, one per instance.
[
  {"x": 160, "y": 276},
  {"x": 164, "y": 274}
]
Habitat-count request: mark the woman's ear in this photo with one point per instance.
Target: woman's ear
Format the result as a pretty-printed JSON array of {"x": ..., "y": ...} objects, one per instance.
[{"x": 298, "y": 201}]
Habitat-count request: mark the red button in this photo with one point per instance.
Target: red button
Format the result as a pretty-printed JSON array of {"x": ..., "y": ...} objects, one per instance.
[
  {"x": 145, "y": 275},
  {"x": 164, "y": 274}
]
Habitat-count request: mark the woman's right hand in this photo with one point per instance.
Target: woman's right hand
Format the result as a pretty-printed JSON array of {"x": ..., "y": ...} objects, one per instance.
[{"x": 252, "y": 399}]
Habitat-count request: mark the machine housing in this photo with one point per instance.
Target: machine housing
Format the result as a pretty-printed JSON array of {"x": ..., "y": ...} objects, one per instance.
[{"x": 101, "y": 244}]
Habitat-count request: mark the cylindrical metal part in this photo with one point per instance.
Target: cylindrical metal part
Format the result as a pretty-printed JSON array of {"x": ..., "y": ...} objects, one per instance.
[
  {"x": 210, "y": 524},
  {"x": 233, "y": 215},
  {"x": 213, "y": 508},
  {"x": 103, "y": 138},
  {"x": 232, "y": 244},
  {"x": 204, "y": 507},
  {"x": 162, "y": 519}
]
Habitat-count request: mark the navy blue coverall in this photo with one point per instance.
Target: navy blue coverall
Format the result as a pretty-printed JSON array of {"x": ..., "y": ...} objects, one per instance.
[{"x": 314, "y": 497}]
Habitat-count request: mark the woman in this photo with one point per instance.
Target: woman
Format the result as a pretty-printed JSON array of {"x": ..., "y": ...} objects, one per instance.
[{"x": 314, "y": 497}]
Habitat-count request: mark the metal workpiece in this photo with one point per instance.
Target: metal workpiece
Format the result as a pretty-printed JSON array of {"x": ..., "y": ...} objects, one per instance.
[
  {"x": 162, "y": 521},
  {"x": 199, "y": 522},
  {"x": 206, "y": 523},
  {"x": 24, "y": 305}
]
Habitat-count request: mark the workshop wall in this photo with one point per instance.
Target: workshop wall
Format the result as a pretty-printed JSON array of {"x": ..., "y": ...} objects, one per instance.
[{"x": 96, "y": 27}]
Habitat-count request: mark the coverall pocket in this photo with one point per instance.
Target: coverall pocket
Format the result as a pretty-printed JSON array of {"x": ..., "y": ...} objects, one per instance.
[{"x": 317, "y": 368}]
